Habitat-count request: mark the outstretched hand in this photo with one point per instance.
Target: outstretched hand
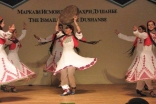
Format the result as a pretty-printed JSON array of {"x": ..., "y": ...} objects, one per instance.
[
  {"x": 135, "y": 28},
  {"x": 24, "y": 25},
  {"x": 75, "y": 18},
  {"x": 116, "y": 32}
]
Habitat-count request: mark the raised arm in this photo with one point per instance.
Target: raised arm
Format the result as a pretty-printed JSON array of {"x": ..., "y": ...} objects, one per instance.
[
  {"x": 8, "y": 34},
  {"x": 47, "y": 39},
  {"x": 57, "y": 25},
  {"x": 78, "y": 33},
  {"x": 125, "y": 37},
  {"x": 23, "y": 32},
  {"x": 76, "y": 24}
]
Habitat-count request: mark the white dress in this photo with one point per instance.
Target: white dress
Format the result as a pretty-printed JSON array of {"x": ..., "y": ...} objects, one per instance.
[
  {"x": 8, "y": 72},
  {"x": 70, "y": 57},
  {"x": 14, "y": 58},
  {"x": 56, "y": 54},
  {"x": 144, "y": 64}
]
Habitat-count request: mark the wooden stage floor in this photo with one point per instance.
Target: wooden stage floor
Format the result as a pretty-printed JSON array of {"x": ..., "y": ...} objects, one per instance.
[{"x": 85, "y": 94}]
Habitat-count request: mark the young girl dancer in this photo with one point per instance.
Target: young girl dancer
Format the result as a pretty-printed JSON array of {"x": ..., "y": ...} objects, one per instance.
[
  {"x": 144, "y": 66},
  {"x": 138, "y": 44},
  {"x": 8, "y": 72},
  {"x": 70, "y": 60},
  {"x": 14, "y": 45},
  {"x": 55, "y": 52}
]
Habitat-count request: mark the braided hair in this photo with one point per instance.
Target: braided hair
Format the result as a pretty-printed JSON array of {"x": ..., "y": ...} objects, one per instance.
[
  {"x": 1, "y": 20},
  {"x": 73, "y": 33},
  {"x": 132, "y": 49}
]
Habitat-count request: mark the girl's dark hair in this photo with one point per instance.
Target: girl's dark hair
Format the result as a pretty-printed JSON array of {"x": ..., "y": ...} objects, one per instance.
[
  {"x": 131, "y": 50},
  {"x": 15, "y": 40},
  {"x": 76, "y": 48},
  {"x": 0, "y": 23},
  {"x": 137, "y": 101},
  {"x": 148, "y": 31},
  {"x": 55, "y": 38},
  {"x": 90, "y": 42}
]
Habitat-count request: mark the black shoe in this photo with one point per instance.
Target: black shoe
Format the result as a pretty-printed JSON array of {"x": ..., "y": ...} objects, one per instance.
[
  {"x": 13, "y": 89},
  {"x": 140, "y": 93},
  {"x": 73, "y": 90},
  {"x": 152, "y": 94},
  {"x": 146, "y": 87},
  {"x": 4, "y": 88}
]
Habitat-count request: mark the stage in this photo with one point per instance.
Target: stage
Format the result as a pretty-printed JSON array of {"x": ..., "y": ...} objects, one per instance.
[{"x": 85, "y": 94}]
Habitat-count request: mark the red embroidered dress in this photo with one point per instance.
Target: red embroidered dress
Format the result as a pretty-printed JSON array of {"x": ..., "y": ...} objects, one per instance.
[
  {"x": 8, "y": 72},
  {"x": 70, "y": 57},
  {"x": 144, "y": 65},
  {"x": 14, "y": 58},
  {"x": 56, "y": 54}
]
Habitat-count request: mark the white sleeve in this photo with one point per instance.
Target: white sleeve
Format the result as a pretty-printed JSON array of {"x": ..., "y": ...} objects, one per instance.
[
  {"x": 47, "y": 39},
  {"x": 127, "y": 38},
  {"x": 59, "y": 34},
  {"x": 79, "y": 35},
  {"x": 22, "y": 35},
  {"x": 5, "y": 35},
  {"x": 143, "y": 35}
]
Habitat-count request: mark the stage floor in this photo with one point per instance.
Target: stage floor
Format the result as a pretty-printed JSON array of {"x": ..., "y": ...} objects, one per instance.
[{"x": 85, "y": 94}]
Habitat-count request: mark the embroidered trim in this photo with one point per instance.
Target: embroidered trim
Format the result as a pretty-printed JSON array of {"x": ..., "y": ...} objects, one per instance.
[{"x": 80, "y": 68}]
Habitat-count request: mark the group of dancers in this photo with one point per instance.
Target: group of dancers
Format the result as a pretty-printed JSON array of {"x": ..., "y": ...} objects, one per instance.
[
  {"x": 64, "y": 57},
  {"x": 143, "y": 68},
  {"x": 11, "y": 68}
]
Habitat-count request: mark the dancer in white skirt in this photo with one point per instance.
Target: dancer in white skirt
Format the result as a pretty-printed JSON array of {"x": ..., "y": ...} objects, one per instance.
[
  {"x": 144, "y": 66},
  {"x": 70, "y": 60},
  {"x": 14, "y": 45},
  {"x": 8, "y": 72},
  {"x": 55, "y": 52},
  {"x": 138, "y": 44}
]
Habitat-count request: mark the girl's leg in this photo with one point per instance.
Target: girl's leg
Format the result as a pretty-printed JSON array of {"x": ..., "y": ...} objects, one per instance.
[
  {"x": 150, "y": 87},
  {"x": 4, "y": 88},
  {"x": 64, "y": 77},
  {"x": 71, "y": 77},
  {"x": 64, "y": 82},
  {"x": 13, "y": 88},
  {"x": 139, "y": 87}
]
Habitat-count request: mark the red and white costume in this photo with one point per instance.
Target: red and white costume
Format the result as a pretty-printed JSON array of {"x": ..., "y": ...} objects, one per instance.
[
  {"x": 14, "y": 58},
  {"x": 56, "y": 54},
  {"x": 138, "y": 42},
  {"x": 8, "y": 72},
  {"x": 144, "y": 64},
  {"x": 70, "y": 57}
]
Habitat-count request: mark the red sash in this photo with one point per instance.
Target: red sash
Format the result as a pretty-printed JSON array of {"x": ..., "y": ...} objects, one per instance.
[
  {"x": 13, "y": 46},
  {"x": 148, "y": 41},
  {"x": 2, "y": 41}
]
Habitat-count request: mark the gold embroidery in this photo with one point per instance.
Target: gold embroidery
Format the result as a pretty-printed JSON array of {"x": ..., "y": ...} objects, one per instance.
[{"x": 68, "y": 39}]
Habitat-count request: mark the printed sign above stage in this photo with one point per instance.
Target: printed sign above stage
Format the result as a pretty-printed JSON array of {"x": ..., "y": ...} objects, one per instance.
[
  {"x": 122, "y": 3},
  {"x": 153, "y": 1},
  {"x": 12, "y": 3}
]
